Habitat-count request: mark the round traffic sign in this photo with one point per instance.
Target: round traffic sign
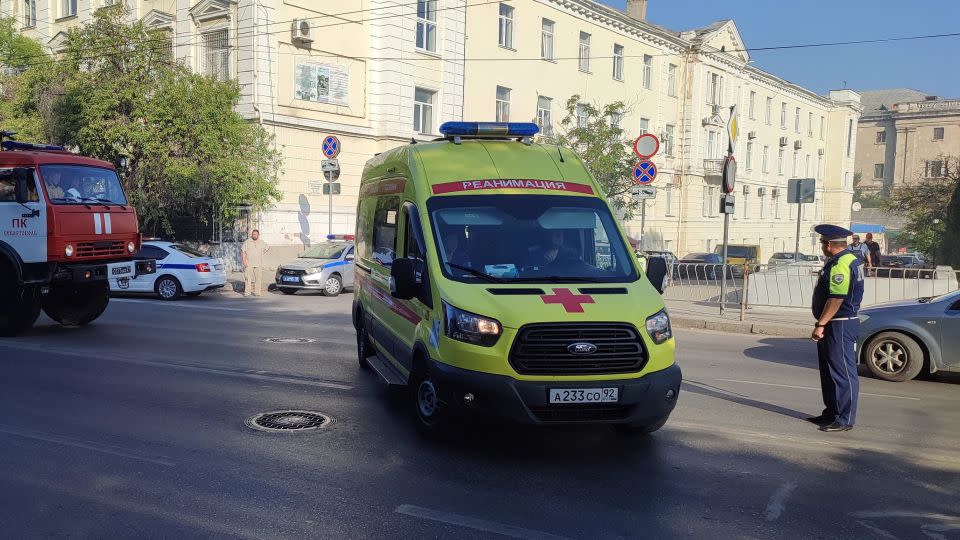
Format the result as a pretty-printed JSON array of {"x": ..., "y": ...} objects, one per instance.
[
  {"x": 646, "y": 146},
  {"x": 729, "y": 174},
  {"x": 644, "y": 172},
  {"x": 331, "y": 147}
]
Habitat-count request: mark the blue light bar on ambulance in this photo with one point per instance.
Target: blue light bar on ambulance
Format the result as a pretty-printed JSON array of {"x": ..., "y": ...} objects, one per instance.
[
  {"x": 489, "y": 129},
  {"x": 17, "y": 145}
]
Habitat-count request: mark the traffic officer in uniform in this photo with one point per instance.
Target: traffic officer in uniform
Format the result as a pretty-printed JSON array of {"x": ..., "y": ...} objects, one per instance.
[{"x": 836, "y": 301}]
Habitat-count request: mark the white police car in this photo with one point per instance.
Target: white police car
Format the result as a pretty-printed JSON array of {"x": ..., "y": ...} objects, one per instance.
[
  {"x": 327, "y": 267},
  {"x": 180, "y": 270}
]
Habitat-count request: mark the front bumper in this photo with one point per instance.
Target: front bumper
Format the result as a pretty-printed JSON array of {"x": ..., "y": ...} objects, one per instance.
[
  {"x": 643, "y": 401},
  {"x": 308, "y": 281}
]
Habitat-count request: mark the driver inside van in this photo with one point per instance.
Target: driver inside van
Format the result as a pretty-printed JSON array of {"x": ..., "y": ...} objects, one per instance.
[
  {"x": 548, "y": 252},
  {"x": 54, "y": 190}
]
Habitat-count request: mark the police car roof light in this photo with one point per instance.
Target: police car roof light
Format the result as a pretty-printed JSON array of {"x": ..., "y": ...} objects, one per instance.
[
  {"x": 340, "y": 237},
  {"x": 17, "y": 145},
  {"x": 481, "y": 130}
]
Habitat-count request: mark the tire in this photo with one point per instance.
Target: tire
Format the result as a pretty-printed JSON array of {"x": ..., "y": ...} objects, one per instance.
[
  {"x": 19, "y": 308},
  {"x": 76, "y": 305},
  {"x": 640, "y": 429},
  {"x": 894, "y": 357},
  {"x": 429, "y": 408},
  {"x": 333, "y": 286},
  {"x": 364, "y": 347},
  {"x": 288, "y": 290},
  {"x": 168, "y": 288}
]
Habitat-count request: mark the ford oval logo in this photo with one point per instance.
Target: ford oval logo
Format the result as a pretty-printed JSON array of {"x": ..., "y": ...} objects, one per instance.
[{"x": 582, "y": 347}]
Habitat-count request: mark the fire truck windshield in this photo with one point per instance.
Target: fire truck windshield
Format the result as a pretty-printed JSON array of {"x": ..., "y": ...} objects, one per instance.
[{"x": 81, "y": 184}]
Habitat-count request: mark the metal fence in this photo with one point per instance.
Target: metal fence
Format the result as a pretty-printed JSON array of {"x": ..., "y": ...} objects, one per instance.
[{"x": 791, "y": 285}]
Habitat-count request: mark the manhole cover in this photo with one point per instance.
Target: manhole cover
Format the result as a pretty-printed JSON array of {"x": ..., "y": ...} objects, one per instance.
[
  {"x": 289, "y": 340},
  {"x": 289, "y": 421}
]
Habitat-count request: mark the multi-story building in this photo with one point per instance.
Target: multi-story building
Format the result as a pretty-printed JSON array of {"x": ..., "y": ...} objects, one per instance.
[
  {"x": 378, "y": 73},
  {"x": 905, "y": 136}
]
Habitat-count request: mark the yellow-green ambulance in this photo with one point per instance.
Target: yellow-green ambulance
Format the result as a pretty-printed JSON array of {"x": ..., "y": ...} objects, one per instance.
[{"x": 492, "y": 276}]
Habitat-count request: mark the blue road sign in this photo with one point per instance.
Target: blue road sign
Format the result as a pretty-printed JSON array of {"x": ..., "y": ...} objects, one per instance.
[
  {"x": 331, "y": 147},
  {"x": 644, "y": 172}
]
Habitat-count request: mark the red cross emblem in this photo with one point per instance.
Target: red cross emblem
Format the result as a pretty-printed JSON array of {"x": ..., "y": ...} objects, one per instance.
[{"x": 571, "y": 302}]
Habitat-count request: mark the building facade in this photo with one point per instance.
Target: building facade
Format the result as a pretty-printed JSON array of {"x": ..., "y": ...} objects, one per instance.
[
  {"x": 905, "y": 136},
  {"x": 377, "y": 74}
]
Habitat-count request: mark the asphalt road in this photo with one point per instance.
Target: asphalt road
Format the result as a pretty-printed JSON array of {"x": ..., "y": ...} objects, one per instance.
[{"x": 136, "y": 427}]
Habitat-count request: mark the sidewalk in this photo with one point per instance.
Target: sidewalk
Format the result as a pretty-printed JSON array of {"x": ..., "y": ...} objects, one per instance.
[{"x": 772, "y": 321}]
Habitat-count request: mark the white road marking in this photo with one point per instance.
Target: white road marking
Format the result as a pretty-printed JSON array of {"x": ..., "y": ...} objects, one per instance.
[
  {"x": 474, "y": 523},
  {"x": 88, "y": 445},
  {"x": 778, "y": 500},
  {"x": 815, "y": 388},
  {"x": 191, "y": 305},
  {"x": 877, "y": 530}
]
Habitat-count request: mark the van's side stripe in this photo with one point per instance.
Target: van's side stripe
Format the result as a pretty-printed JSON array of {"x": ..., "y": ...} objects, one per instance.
[
  {"x": 482, "y": 185},
  {"x": 383, "y": 296}
]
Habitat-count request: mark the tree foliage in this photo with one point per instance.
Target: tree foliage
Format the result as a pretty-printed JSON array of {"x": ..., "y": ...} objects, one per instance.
[
  {"x": 932, "y": 209},
  {"x": 592, "y": 132},
  {"x": 179, "y": 145}
]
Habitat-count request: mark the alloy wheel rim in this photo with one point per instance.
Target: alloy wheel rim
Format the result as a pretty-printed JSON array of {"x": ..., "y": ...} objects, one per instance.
[
  {"x": 167, "y": 288},
  {"x": 889, "y": 357},
  {"x": 427, "y": 399},
  {"x": 333, "y": 286}
]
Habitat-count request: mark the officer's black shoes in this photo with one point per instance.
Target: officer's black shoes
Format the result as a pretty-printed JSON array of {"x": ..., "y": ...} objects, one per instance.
[
  {"x": 835, "y": 426},
  {"x": 821, "y": 420}
]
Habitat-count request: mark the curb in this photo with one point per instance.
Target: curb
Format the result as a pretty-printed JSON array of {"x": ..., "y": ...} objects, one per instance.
[{"x": 737, "y": 327}]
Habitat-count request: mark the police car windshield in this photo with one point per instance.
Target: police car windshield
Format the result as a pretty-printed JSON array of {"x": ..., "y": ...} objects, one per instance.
[
  {"x": 326, "y": 250},
  {"x": 529, "y": 238},
  {"x": 81, "y": 184}
]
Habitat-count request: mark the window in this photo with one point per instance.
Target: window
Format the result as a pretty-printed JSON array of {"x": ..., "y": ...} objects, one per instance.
[
  {"x": 647, "y": 71},
  {"x": 584, "y": 55},
  {"x": 29, "y": 13},
  {"x": 672, "y": 80},
  {"x": 503, "y": 104},
  {"x": 881, "y": 137},
  {"x": 506, "y": 26},
  {"x": 618, "y": 62},
  {"x": 938, "y": 133},
  {"x": 385, "y": 230},
  {"x": 546, "y": 39},
  {"x": 745, "y": 203},
  {"x": 714, "y": 88},
  {"x": 823, "y": 123},
  {"x": 765, "y": 159},
  {"x": 849, "y": 138},
  {"x": 668, "y": 199},
  {"x": 934, "y": 169},
  {"x": 846, "y": 180},
  {"x": 768, "y": 112},
  {"x": 780, "y": 162},
  {"x": 806, "y": 166},
  {"x": 216, "y": 54},
  {"x": 753, "y": 105},
  {"x": 615, "y": 119},
  {"x": 423, "y": 111},
  {"x": 796, "y": 163},
  {"x": 427, "y": 25},
  {"x": 8, "y": 189},
  {"x": 819, "y": 167},
  {"x": 544, "y": 115},
  {"x": 762, "y": 194},
  {"x": 749, "y": 155},
  {"x": 68, "y": 8},
  {"x": 777, "y": 205},
  {"x": 644, "y": 125},
  {"x": 878, "y": 171},
  {"x": 709, "y": 196},
  {"x": 713, "y": 144},
  {"x": 809, "y": 124},
  {"x": 783, "y": 115},
  {"x": 583, "y": 115},
  {"x": 796, "y": 120},
  {"x": 668, "y": 134}
]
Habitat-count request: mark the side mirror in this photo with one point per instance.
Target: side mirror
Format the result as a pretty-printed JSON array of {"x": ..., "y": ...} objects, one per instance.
[
  {"x": 348, "y": 257},
  {"x": 23, "y": 181},
  {"x": 406, "y": 278},
  {"x": 657, "y": 272}
]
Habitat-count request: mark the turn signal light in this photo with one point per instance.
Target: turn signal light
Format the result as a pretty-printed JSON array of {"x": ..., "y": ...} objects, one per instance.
[{"x": 203, "y": 267}]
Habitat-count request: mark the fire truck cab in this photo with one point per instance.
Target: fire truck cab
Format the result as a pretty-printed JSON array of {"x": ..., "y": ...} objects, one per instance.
[{"x": 66, "y": 227}]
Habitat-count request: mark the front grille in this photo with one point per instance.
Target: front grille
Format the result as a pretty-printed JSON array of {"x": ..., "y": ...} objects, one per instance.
[
  {"x": 580, "y": 413},
  {"x": 99, "y": 249},
  {"x": 288, "y": 272},
  {"x": 541, "y": 349}
]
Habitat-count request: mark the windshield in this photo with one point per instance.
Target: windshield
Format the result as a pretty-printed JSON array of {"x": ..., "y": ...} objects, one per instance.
[
  {"x": 526, "y": 238},
  {"x": 188, "y": 251},
  {"x": 80, "y": 184},
  {"x": 326, "y": 250}
]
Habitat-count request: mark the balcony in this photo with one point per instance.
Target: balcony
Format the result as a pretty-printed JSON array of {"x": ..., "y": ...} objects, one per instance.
[{"x": 713, "y": 167}]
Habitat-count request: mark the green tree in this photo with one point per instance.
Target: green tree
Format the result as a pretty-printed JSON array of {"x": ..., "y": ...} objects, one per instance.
[
  {"x": 592, "y": 132},
  {"x": 24, "y": 63},
  {"x": 932, "y": 209}
]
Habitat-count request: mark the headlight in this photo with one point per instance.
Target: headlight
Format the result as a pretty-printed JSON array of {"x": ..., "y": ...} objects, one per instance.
[
  {"x": 470, "y": 328},
  {"x": 314, "y": 270},
  {"x": 68, "y": 251},
  {"x": 131, "y": 247},
  {"x": 658, "y": 326}
]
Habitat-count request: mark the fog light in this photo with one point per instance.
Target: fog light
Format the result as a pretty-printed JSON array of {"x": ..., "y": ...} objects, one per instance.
[
  {"x": 131, "y": 247},
  {"x": 468, "y": 398},
  {"x": 87, "y": 275},
  {"x": 671, "y": 394},
  {"x": 68, "y": 251}
]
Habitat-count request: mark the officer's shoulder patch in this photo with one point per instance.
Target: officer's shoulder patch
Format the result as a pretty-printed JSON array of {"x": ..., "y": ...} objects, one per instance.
[{"x": 838, "y": 278}]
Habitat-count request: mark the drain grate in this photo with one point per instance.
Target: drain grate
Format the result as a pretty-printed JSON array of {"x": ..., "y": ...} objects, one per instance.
[
  {"x": 288, "y": 340},
  {"x": 289, "y": 421}
]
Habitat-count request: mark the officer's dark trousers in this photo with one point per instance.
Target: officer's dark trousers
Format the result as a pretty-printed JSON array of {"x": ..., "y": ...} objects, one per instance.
[{"x": 838, "y": 370}]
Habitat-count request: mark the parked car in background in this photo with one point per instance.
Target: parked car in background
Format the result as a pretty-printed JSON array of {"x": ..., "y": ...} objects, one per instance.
[
  {"x": 699, "y": 266},
  {"x": 899, "y": 341},
  {"x": 785, "y": 258},
  {"x": 910, "y": 266},
  {"x": 181, "y": 270},
  {"x": 740, "y": 256},
  {"x": 327, "y": 267}
]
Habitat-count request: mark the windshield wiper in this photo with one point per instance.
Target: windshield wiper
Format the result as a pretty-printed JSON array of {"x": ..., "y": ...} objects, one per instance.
[
  {"x": 477, "y": 273},
  {"x": 101, "y": 201}
]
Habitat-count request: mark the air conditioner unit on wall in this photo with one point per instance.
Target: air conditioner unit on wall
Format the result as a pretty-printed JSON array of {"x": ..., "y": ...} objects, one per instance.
[
  {"x": 302, "y": 31},
  {"x": 752, "y": 135},
  {"x": 797, "y": 144},
  {"x": 775, "y": 192},
  {"x": 820, "y": 152},
  {"x": 746, "y": 190},
  {"x": 761, "y": 192},
  {"x": 783, "y": 141}
]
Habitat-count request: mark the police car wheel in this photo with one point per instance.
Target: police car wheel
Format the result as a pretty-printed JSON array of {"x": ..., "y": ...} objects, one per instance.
[
  {"x": 168, "y": 288},
  {"x": 894, "y": 357},
  {"x": 333, "y": 286}
]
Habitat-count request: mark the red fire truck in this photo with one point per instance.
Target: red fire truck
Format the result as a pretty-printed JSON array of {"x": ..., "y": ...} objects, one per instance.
[{"x": 66, "y": 226}]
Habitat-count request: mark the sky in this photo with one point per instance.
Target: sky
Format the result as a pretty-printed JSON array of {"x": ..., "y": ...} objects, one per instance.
[{"x": 926, "y": 65}]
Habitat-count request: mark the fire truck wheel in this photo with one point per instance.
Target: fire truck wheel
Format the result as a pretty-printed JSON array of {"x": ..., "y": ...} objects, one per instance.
[
  {"x": 21, "y": 309},
  {"x": 76, "y": 305}
]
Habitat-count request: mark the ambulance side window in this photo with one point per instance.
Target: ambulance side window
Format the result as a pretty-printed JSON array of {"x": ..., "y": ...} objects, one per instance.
[
  {"x": 385, "y": 230},
  {"x": 8, "y": 187},
  {"x": 411, "y": 248}
]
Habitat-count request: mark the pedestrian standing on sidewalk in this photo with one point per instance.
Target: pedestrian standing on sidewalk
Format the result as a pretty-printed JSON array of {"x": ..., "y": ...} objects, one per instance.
[
  {"x": 836, "y": 301},
  {"x": 253, "y": 251},
  {"x": 874, "y": 248}
]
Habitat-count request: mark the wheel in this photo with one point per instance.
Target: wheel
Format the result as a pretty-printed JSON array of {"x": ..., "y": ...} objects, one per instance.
[
  {"x": 193, "y": 294},
  {"x": 20, "y": 308},
  {"x": 893, "y": 357},
  {"x": 364, "y": 347},
  {"x": 76, "y": 305},
  {"x": 333, "y": 286},
  {"x": 288, "y": 290},
  {"x": 168, "y": 288},
  {"x": 429, "y": 407},
  {"x": 640, "y": 429}
]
